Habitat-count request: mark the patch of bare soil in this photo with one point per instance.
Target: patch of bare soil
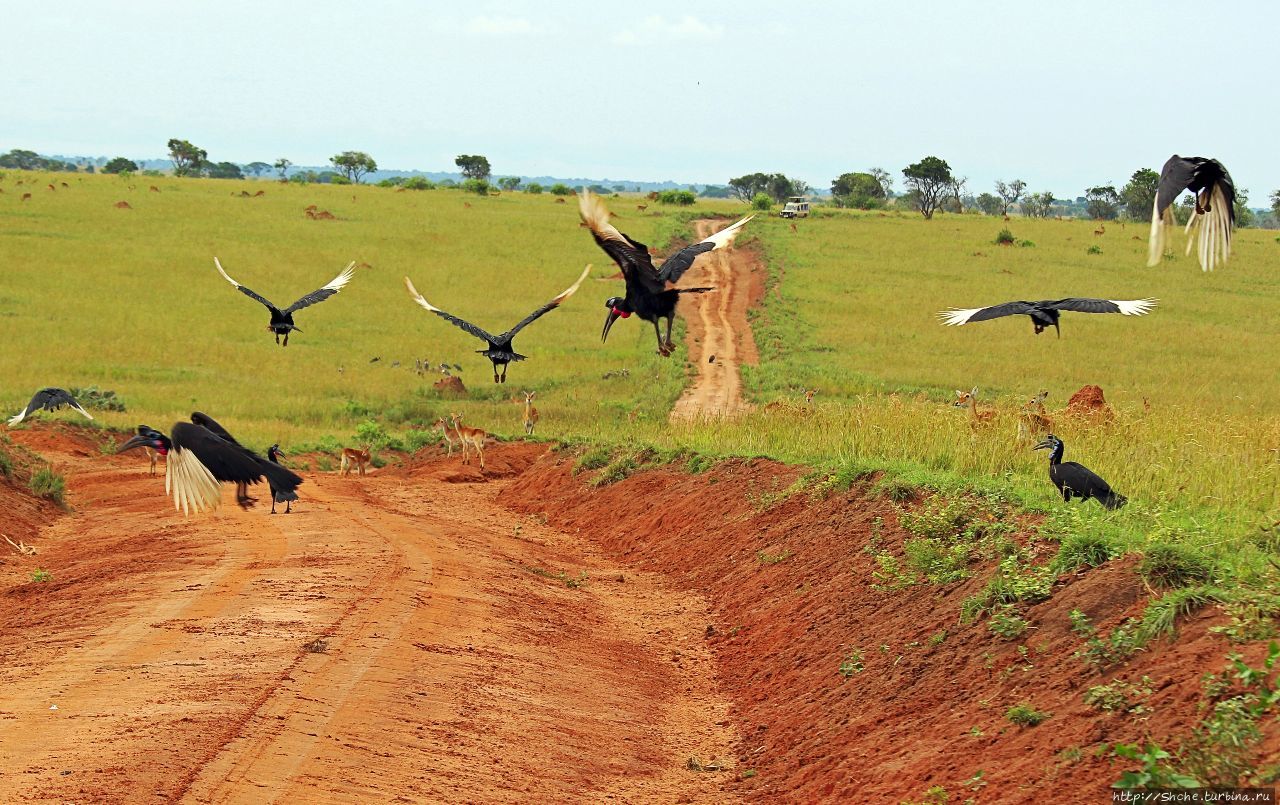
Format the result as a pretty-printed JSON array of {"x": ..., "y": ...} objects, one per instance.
[
  {"x": 922, "y": 701},
  {"x": 719, "y": 334}
]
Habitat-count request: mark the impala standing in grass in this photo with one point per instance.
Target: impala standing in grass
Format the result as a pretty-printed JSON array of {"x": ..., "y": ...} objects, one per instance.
[
  {"x": 470, "y": 436},
  {"x": 530, "y": 413}
]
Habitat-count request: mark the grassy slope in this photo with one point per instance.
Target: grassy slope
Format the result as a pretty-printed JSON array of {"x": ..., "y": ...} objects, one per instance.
[{"x": 129, "y": 300}]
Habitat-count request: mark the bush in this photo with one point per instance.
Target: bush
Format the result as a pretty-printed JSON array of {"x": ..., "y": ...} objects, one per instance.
[
  {"x": 1005, "y": 238},
  {"x": 533, "y": 188},
  {"x": 1171, "y": 565},
  {"x": 1082, "y": 550},
  {"x": 682, "y": 198},
  {"x": 48, "y": 484},
  {"x": 478, "y": 186},
  {"x": 419, "y": 183},
  {"x": 762, "y": 202},
  {"x": 6, "y": 464},
  {"x": 1006, "y": 623},
  {"x": 1094, "y": 250},
  {"x": 375, "y": 436},
  {"x": 1024, "y": 715},
  {"x": 559, "y": 189},
  {"x": 394, "y": 181}
]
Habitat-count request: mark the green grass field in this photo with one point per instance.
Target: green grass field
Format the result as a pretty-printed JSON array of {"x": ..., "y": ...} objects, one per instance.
[{"x": 129, "y": 300}]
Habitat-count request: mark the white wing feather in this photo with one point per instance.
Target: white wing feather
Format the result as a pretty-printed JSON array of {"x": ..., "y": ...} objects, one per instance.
[
  {"x": 191, "y": 483},
  {"x": 1133, "y": 307},
  {"x": 955, "y": 316}
]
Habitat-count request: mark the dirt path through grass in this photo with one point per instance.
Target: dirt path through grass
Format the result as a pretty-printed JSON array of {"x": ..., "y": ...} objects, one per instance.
[
  {"x": 719, "y": 334},
  {"x": 465, "y": 653}
]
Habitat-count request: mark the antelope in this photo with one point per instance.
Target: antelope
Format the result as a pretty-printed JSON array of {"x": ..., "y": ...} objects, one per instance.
[
  {"x": 559, "y": 199},
  {"x": 350, "y": 456},
  {"x": 154, "y": 457},
  {"x": 466, "y": 204},
  {"x": 1101, "y": 230},
  {"x": 470, "y": 436},
  {"x": 642, "y": 207},
  {"x": 310, "y": 208},
  {"x": 155, "y": 189},
  {"x": 325, "y": 215},
  {"x": 53, "y": 189},
  {"x": 443, "y": 426},
  {"x": 793, "y": 228},
  {"x": 259, "y": 193},
  {"x": 530, "y": 413},
  {"x": 1033, "y": 419},
  {"x": 808, "y": 397},
  {"x": 977, "y": 417},
  {"x": 26, "y": 196},
  {"x": 123, "y": 205}
]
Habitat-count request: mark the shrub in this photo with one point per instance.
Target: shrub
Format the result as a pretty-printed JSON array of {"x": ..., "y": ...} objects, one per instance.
[
  {"x": 762, "y": 202},
  {"x": 1170, "y": 565},
  {"x": 533, "y": 188},
  {"x": 1027, "y": 244},
  {"x": 419, "y": 183},
  {"x": 48, "y": 484},
  {"x": 1024, "y": 715},
  {"x": 1094, "y": 250},
  {"x": 373, "y": 434},
  {"x": 1006, "y": 623},
  {"x": 6, "y": 464},
  {"x": 478, "y": 186},
  {"x": 593, "y": 459},
  {"x": 1005, "y": 238},
  {"x": 682, "y": 198},
  {"x": 559, "y": 189},
  {"x": 939, "y": 563},
  {"x": 1082, "y": 550},
  {"x": 394, "y": 181}
]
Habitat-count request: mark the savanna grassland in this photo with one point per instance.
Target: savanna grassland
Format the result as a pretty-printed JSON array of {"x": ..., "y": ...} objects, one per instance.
[{"x": 129, "y": 300}]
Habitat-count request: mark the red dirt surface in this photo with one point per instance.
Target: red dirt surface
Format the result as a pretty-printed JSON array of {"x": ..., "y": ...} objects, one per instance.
[{"x": 789, "y": 588}]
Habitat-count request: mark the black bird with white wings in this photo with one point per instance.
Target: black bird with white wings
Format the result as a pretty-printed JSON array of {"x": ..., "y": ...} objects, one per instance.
[
  {"x": 1044, "y": 314},
  {"x": 648, "y": 295},
  {"x": 499, "y": 350},
  {"x": 199, "y": 460},
  {"x": 1210, "y": 226},
  {"x": 49, "y": 399},
  {"x": 282, "y": 320},
  {"x": 1075, "y": 480}
]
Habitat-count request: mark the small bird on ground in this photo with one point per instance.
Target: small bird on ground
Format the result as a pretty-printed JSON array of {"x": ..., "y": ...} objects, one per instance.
[
  {"x": 499, "y": 350},
  {"x": 1209, "y": 228},
  {"x": 199, "y": 459},
  {"x": 50, "y": 399},
  {"x": 1044, "y": 314},
  {"x": 1075, "y": 480},
  {"x": 286, "y": 497},
  {"x": 648, "y": 295},
  {"x": 282, "y": 320}
]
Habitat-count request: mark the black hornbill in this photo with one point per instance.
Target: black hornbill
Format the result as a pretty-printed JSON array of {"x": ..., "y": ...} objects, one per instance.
[
  {"x": 1074, "y": 480},
  {"x": 499, "y": 349},
  {"x": 647, "y": 293},
  {"x": 199, "y": 459},
  {"x": 1215, "y": 209},
  {"x": 1044, "y": 314},
  {"x": 277, "y": 495},
  {"x": 282, "y": 320},
  {"x": 49, "y": 399}
]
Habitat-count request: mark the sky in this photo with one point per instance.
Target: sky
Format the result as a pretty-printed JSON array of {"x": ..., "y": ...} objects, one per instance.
[{"x": 1065, "y": 95}]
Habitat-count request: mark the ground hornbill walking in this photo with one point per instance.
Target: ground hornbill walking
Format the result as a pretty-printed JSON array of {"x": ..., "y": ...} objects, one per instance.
[
  {"x": 282, "y": 320},
  {"x": 1215, "y": 212},
  {"x": 499, "y": 349},
  {"x": 1044, "y": 314},
  {"x": 199, "y": 460},
  {"x": 1074, "y": 480},
  {"x": 50, "y": 399},
  {"x": 279, "y": 495},
  {"x": 647, "y": 293}
]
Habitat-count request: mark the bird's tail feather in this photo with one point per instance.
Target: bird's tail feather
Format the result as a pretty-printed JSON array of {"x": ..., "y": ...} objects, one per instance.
[{"x": 282, "y": 481}]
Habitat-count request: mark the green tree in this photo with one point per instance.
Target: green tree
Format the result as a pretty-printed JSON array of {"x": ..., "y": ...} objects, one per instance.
[
  {"x": 885, "y": 179},
  {"x": 1102, "y": 203},
  {"x": 746, "y": 187},
  {"x": 188, "y": 160},
  {"x": 257, "y": 168},
  {"x": 1139, "y": 195},
  {"x": 478, "y": 186},
  {"x": 21, "y": 159},
  {"x": 120, "y": 165},
  {"x": 282, "y": 165},
  {"x": 1275, "y": 204},
  {"x": 473, "y": 166},
  {"x": 682, "y": 198},
  {"x": 418, "y": 183},
  {"x": 533, "y": 188},
  {"x": 559, "y": 189},
  {"x": 223, "y": 170},
  {"x": 1244, "y": 215},
  {"x": 354, "y": 164},
  {"x": 930, "y": 180},
  {"x": 859, "y": 190},
  {"x": 991, "y": 205},
  {"x": 1009, "y": 194},
  {"x": 509, "y": 183},
  {"x": 1038, "y": 205}
]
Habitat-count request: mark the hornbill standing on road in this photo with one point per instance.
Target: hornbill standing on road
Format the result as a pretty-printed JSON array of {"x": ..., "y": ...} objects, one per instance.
[
  {"x": 647, "y": 293},
  {"x": 1074, "y": 480},
  {"x": 282, "y": 320},
  {"x": 199, "y": 459},
  {"x": 1215, "y": 213},
  {"x": 50, "y": 399},
  {"x": 499, "y": 350},
  {"x": 1044, "y": 314},
  {"x": 279, "y": 496}
]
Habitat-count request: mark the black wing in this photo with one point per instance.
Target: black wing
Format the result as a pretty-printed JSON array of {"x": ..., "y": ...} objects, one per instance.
[
  {"x": 327, "y": 291},
  {"x": 454, "y": 320},
  {"x": 957, "y": 316},
  {"x": 552, "y": 305},
  {"x": 49, "y": 399},
  {"x": 631, "y": 255},
  {"x": 1129, "y": 307},
  {"x": 675, "y": 265},
  {"x": 210, "y": 424},
  {"x": 1176, "y": 176},
  {"x": 227, "y": 461},
  {"x": 245, "y": 290}
]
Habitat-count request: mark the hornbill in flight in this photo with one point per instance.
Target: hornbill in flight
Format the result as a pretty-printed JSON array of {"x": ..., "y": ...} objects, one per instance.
[
  {"x": 49, "y": 400},
  {"x": 1213, "y": 218},
  {"x": 499, "y": 349},
  {"x": 648, "y": 294},
  {"x": 199, "y": 459},
  {"x": 1044, "y": 314},
  {"x": 282, "y": 320},
  {"x": 1074, "y": 480}
]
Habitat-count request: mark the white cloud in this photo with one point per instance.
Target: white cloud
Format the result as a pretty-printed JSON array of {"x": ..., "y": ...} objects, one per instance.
[
  {"x": 658, "y": 28},
  {"x": 501, "y": 26}
]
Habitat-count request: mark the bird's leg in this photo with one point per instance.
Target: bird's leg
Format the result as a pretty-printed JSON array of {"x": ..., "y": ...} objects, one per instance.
[
  {"x": 273, "y": 504},
  {"x": 504, "y": 372},
  {"x": 662, "y": 348},
  {"x": 286, "y": 339},
  {"x": 495, "y": 374},
  {"x": 670, "y": 346},
  {"x": 288, "y": 508},
  {"x": 277, "y": 338}
]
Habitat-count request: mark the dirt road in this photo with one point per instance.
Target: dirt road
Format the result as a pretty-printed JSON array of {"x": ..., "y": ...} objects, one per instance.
[
  {"x": 398, "y": 638},
  {"x": 718, "y": 328}
]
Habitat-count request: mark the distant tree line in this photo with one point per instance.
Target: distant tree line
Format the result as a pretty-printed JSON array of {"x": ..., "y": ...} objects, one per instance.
[{"x": 19, "y": 159}]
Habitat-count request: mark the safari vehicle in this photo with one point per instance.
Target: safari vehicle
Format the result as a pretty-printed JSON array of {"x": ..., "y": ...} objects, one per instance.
[{"x": 796, "y": 207}]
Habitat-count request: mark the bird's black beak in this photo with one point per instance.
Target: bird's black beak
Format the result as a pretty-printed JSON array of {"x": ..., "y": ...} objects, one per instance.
[
  {"x": 609, "y": 319},
  {"x": 1057, "y": 329},
  {"x": 1045, "y": 445},
  {"x": 135, "y": 442}
]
